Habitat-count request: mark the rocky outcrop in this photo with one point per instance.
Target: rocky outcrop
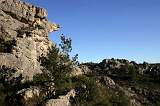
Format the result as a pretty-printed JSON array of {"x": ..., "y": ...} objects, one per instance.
[
  {"x": 107, "y": 81},
  {"x": 80, "y": 70},
  {"x": 29, "y": 93},
  {"x": 85, "y": 69},
  {"x": 62, "y": 100},
  {"x": 76, "y": 71},
  {"x": 28, "y": 26}
]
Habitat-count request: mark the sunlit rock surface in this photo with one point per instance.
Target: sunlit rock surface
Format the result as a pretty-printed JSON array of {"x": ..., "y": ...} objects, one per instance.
[{"x": 29, "y": 27}]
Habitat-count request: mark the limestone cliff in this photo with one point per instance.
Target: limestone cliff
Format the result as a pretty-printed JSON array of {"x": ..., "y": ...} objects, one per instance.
[{"x": 28, "y": 26}]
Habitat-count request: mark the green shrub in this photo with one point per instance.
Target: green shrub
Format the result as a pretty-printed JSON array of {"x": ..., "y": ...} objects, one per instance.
[
  {"x": 117, "y": 98},
  {"x": 58, "y": 62},
  {"x": 157, "y": 103},
  {"x": 2, "y": 97},
  {"x": 132, "y": 73},
  {"x": 58, "y": 65},
  {"x": 8, "y": 85},
  {"x": 89, "y": 93},
  {"x": 6, "y": 45},
  {"x": 40, "y": 79}
]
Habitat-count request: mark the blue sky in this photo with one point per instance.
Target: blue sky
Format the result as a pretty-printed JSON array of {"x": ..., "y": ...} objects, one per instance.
[{"x": 101, "y": 29}]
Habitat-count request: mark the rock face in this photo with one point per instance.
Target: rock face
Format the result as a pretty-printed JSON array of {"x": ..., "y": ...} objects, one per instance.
[{"x": 28, "y": 26}]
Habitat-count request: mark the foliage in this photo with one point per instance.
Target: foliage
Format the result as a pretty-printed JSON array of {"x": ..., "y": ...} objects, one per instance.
[
  {"x": 157, "y": 103},
  {"x": 58, "y": 62},
  {"x": 6, "y": 45},
  {"x": 66, "y": 45},
  {"x": 9, "y": 85},
  {"x": 89, "y": 93},
  {"x": 58, "y": 66},
  {"x": 5, "y": 73},
  {"x": 25, "y": 31},
  {"x": 119, "y": 99},
  {"x": 125, "y": 72},
  {"x": 74, "y": 60},
  {"x": 40, "y": 79},
  {"x": 132, "y": 73}
]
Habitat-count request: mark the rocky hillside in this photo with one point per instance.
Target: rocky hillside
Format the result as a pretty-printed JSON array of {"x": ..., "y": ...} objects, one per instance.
[
  {"x": 35, "y": 72},
  {"x": 140, "y": 82}
]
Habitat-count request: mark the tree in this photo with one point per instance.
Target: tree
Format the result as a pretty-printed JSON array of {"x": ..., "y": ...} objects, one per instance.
[
  {"x": 66, "y": 45},
  {"x": 58, "y": 62}
]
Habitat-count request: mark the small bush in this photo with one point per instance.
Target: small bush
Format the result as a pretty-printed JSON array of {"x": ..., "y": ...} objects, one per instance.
[
  {"x": 119, "y": 99},
  {"x": 6, "y": 45},
  {"x": 132, "y": 73},
  {"x": 89, "y": 93},
  {"x": 157, "y": 102},
  {"x": 8, "y": 85}
]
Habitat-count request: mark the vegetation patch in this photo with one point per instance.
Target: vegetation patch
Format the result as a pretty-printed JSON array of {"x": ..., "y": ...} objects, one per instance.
[{"x": 6, "y": 45}]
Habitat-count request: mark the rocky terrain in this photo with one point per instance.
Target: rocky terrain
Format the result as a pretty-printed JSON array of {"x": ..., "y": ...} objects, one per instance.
[
  {"x": 140, "y": 82},
  {"x": 34, "y": 72}
]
